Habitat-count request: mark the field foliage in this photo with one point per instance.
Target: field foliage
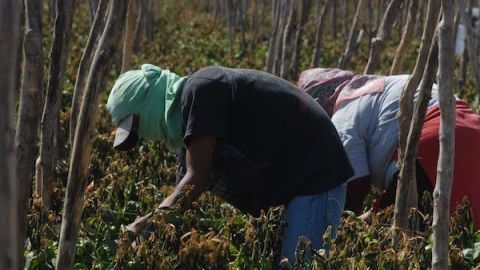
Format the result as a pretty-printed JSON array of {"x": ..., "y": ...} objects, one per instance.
[{"x": 212, "y": 234}]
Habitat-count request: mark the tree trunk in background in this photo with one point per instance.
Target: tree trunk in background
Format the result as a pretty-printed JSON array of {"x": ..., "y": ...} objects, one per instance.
[
  {"x": 128, "y": 37},
  {"x": 139, "y": 25},
  {"x": 370, "y": 14},
  {"x": 318, "y": 37},
  {"x": 358, "y": 22},
  {"x": 51, "y": 10},
  {"x": 283, "y": 14},
  {"x": 85, "y": 61},
  {"x": 229, "y": 28},
  {"x": 407, "y": 183},
  {"x": 443, "y": 186},
  {"x": 273, "y": 35},
  {"x": 378, "y": 17},
  {"x": 471, "y": 48},
  {"x": 243, "y": 24},
  {"x": 92, "y": 8},
  {"x": 420, "y": 17},
  {"x": 383, "y": 33},
  {"x": 80, "y": 159},
  {"x": 253, "y": 25},
  {"x": 19, "y": 53},
  {"x": 150, "y": 20},
  {"x": 407, "y": 197},
  {"x": 306, "y": 5},
  {"x": 288, "y": 40},
  {"x": 397, "y": 66},
  {"x": 346, "y": 17},
  {"x": 9, "y": 35},
  {"x": 334, "y": 6},
  {"x": 50, "y": 117},
  {"x": 29, "y": 112}
]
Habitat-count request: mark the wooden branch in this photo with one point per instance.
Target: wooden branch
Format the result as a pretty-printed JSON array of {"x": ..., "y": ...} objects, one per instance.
[
  {"x": 283, "y": 14},
  {"x": 420, "y": 17},
  {"x": 406, "y": 196},
  {"x": 229, "y": 28},
  {"x": 9, "y": 35},
  {"x": 306, "y": 5},
  {"x": 29, "y": 111},
  {"x": 378, "y": 43},
  {"x": 139, "y": 25},
  {"x": 92, "y": 7},
  {"x": 407, "y": 36},
  {"x": 319, "y": 35},
  {"x": 334, "y": 7},
  {"x": 273, "y": 35},
  {"x": 287, "y": 39},
  {"x": 358, "y": 22},
  {"x": 253, "y": 25},
  {"x": 443, "y": 186},
  {"x": 51, "y": 110},
  {"x": 85, "y": 61},
  {"x": 128, "y": 37},
  {"x": 80, "y": 159},
  {"x": 407, "y": 183}
]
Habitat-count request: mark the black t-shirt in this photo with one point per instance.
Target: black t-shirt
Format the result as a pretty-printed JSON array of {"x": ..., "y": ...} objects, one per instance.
[{"x": 274, "y": 141}]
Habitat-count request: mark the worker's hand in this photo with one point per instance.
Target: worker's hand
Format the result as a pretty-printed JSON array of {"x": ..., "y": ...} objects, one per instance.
[
  {"x": 365, "y": 215},
  {"x": 141, "y": 223},
  {"x": 167, "y": 203},
  {"x": 136, "y": 227}
]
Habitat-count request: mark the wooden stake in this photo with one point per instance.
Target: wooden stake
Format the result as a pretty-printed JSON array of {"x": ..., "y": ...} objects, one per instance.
[
  {"x": 29, "y": 111},
  {"x": 407, "y": 183},
  {"x": 443, "y": 186},
  {"x": 9, "y": 33},
  {"x": 80, "y": 159},
  {"x": 383, "y": 33},
  {"x": 51, "y": 109},
  {"x": 397, "y": 66},
  {"x": 85, "y": 62}
]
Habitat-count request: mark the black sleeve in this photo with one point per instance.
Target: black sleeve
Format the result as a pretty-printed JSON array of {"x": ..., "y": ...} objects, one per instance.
[{"x": 205, "y": 106}]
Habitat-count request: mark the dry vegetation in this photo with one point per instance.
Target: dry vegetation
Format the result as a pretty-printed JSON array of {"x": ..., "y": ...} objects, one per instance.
[{"x": 212, "y": 234}]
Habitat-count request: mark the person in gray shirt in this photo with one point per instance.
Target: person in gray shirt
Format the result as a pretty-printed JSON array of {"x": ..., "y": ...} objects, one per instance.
[{"x": 364, "y": 111}]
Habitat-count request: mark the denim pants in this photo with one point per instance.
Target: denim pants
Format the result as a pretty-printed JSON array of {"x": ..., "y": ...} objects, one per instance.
[{"x": 310, "y": 216}]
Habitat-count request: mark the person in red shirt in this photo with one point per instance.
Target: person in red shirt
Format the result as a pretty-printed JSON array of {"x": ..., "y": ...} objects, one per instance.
[{"x": 364, "y": 110}]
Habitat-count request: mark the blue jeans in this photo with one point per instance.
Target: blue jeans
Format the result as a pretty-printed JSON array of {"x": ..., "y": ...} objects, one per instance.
[{"x": 310, "y": 216}]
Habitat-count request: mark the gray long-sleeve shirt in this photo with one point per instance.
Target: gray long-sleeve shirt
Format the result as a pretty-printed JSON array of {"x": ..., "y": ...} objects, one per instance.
[{"x": 368, "y": 128}]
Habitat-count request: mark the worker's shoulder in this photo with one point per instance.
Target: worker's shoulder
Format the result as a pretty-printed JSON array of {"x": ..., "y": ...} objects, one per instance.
[{"x": 206, "y": 77}]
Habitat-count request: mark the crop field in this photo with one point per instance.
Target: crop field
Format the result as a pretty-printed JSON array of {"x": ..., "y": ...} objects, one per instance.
[{"x": 212, "y": 234}]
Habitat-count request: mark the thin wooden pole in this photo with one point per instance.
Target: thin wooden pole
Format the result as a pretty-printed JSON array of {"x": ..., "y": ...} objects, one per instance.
[
  {"x": 383, "y": 33},
  {"x": 407, "y": 182},
  {"x": 51, "y": 109},
  {"x": 85, "y": 61},
  {"x": 80, "y": 159},
  {"x": 443, "y": 186},
  {"x": 358, "y": 23},
  {"x": 9, "y": 33},
  {"x": 407, "y": 36},
  {"x": 29, "y": 111}
]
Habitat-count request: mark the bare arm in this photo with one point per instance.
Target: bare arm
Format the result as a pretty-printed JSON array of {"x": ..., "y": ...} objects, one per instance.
[{"x": 199, "y": 157}]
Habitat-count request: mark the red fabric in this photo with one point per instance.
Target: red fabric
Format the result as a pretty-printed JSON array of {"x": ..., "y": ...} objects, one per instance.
[
  {"x": 467, "y": 160},
  {"x": 357, "y": 190}
]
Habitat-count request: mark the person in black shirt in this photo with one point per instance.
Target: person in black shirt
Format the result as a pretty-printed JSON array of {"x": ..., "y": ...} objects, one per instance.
[{"x": 248, "y": 136}]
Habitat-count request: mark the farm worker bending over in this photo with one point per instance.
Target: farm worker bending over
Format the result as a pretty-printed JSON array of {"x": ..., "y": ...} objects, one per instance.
[
  {"x": 249, "y": 137},
  {"x": 364, "y": 110}
]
